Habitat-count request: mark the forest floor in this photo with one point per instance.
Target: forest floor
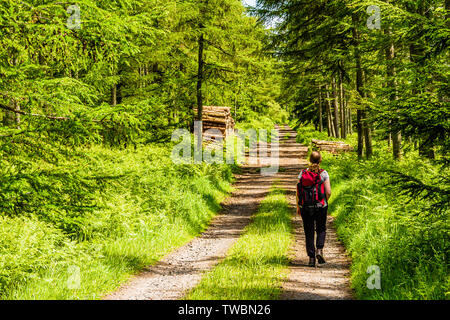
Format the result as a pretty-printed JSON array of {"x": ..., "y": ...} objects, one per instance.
[{"x": 181, "y": 271}]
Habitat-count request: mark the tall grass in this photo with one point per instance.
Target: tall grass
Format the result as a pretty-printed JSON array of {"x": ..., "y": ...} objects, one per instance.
[
  {"x": 256, "y": 264},
  {"x": 139, "y": 206}
]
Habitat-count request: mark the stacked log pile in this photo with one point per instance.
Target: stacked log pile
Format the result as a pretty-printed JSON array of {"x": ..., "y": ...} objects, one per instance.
[
  {"x": 334, "y": 147},
  {"x": 217, "y": 118}
]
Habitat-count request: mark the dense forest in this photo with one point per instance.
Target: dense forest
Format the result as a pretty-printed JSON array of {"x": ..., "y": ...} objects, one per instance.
[
  {"x": 380, "y": 65},
  {"x": 91, "y": 92}
]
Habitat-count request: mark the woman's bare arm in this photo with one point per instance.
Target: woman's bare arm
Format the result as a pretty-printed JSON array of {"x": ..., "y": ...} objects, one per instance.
[{"x": 327, "y": 185}]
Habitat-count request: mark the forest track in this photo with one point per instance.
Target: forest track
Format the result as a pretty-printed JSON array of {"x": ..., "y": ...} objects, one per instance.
[{"x": 180, "y": 271}]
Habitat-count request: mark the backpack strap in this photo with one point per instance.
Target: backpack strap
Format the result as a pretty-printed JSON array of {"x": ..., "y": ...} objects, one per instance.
[
  {"x": 299, "y": 188},
  {"x": 322, "y": 195},
  {"x": 302, "y": 173}
]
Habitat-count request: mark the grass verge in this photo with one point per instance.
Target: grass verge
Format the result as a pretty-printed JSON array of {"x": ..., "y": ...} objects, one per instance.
[{"x": 256, "y": 264}]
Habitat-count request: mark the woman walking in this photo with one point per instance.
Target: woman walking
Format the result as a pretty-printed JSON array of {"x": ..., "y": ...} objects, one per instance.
[{"x": 313, "y": 192}]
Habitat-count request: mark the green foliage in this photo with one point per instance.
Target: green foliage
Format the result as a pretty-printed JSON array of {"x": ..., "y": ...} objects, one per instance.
[
  {"x": 393, "y": 215},
  {"x": 128, "y": 75},
  {"x": 397, "y": 77},
  {"x": 255, "y": 121},
  {"x": 436, "y": 194},
  {"x": 259, "y": 123},
  {"x": 81, "y": 182}
]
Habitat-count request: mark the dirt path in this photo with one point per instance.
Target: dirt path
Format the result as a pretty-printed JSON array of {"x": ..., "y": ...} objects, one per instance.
[
  {"x": 329, "y": 281},
  {"x": 182, "y": 269}
]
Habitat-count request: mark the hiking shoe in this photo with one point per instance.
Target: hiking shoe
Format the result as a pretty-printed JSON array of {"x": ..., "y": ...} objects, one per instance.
[
  {"x": 312, "y": 262},
  {"x": 319, "y": 256}
]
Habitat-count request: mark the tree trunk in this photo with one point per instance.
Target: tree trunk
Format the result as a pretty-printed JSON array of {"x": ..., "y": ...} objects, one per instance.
[
  {"x": 349, "y": 116},
  {"x": 146, "y": 72},
  {"x": 359, "y": 87},
  {"x": 200, "y": 78},
  {"x": 114, "y": 95},
  {"x": 367, "y": 135},
  {"x": 17, "y": 108},
  {"x": 10, "y": 117},
  {"x": 238, "y": 92},
  {"x": 320, "y": 110},
  {"x": 447, "y": 7},
  {"x": 330, "y": 124},
  {"x": 368, "y": 130},
  {"x": 389, "y": 139},
  {"x": 416, "y": 52},
  {"x": 341, "y": 100},
  {"x": 333, "y": 132},
  {"x": 336, "y": 109},
  {"x": 391, "y": 73},
  {"x": 350, "y": 119}
]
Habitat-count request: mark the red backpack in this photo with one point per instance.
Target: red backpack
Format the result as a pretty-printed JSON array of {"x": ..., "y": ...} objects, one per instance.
[{"x": 311, "y": 190}]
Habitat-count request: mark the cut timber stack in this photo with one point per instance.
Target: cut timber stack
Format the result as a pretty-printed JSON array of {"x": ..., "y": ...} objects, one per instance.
[
  {"x": 218, "y": 118},
  {"x": 332, "y": 146}
]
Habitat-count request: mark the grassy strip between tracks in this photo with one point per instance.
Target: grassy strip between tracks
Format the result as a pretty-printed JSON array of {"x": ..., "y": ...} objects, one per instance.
[{"x": 257, "y": 263}]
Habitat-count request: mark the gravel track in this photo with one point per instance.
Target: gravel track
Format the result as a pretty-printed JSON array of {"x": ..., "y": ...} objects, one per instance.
[{"x": 180, "y": 271}]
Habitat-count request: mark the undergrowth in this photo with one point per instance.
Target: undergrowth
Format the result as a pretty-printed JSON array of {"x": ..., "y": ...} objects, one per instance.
[
  {"x": 382, "y": 226},
  {"x": 95, "y": 216}
]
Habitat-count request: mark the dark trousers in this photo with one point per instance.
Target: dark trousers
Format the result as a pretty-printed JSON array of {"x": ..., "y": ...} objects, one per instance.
[{"x": 314, "y": 218}]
